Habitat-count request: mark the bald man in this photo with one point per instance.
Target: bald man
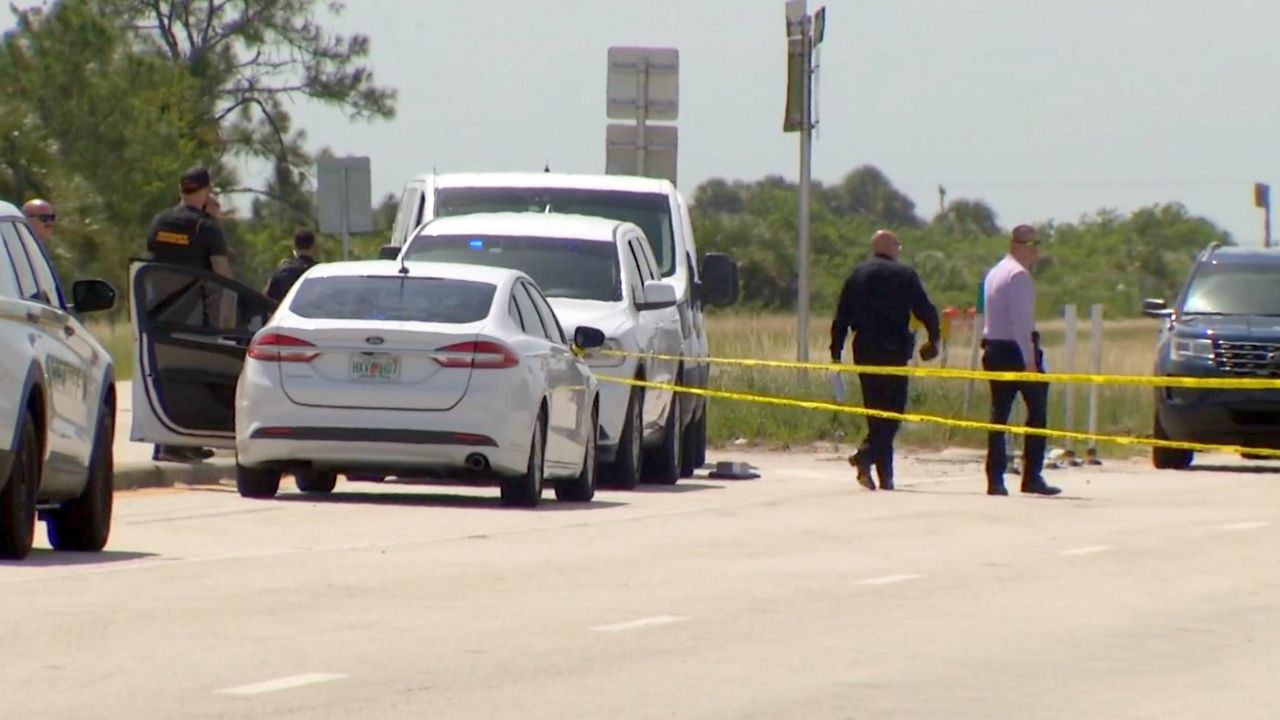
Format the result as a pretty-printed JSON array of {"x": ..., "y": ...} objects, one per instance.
[
  {"x": 40, "y": 217},
  {"x": 877, "y": 303}
]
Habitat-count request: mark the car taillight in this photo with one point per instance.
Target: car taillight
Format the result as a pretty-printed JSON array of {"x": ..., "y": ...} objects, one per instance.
[
  {"x": 476, "y": 355},
  {"x": 274, "y": 347}
]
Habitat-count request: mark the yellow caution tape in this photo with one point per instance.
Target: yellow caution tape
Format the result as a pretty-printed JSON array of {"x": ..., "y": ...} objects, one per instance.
[
  {"x": 952, "y": 422},
  {"x": 955, "y": 374}
]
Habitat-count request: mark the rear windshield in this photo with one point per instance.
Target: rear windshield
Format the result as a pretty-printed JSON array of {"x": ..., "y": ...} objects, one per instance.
[
  {"x": 433, "y": 300},
  {"x": 563, "y": 268},
  {"x": 1234, "y": 289},
  {"x": 651, "y": 212}
]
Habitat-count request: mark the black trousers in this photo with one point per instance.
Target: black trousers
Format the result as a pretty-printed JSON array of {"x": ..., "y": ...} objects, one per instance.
[
  {"x": 1006, "y": 356},
  {"x": 881, "y": 392}
]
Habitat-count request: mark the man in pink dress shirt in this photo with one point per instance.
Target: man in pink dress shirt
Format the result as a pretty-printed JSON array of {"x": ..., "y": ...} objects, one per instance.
[{"x": 1010, "y": 343}]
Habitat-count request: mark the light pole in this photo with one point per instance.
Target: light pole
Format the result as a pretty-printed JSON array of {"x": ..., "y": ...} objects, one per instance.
[{"x": 804, "y": 33}]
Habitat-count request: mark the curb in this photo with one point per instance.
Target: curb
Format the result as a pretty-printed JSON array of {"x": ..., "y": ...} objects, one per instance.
[{"x": 132, "y": 476}]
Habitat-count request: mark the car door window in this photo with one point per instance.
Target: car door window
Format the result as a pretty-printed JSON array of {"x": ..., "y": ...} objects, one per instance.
[
  {"x": 46, "y": 278},
  {"x": 8, "y": 275},
  {"x": 529, "y": 315},
  {"x": 637, "y": 276},
  {"x": 555, "y": 333},
  {"x": 514, "y": 312},
  {"x": 647, "y": 262},
  {"x": 27, "y": 286},
  {"x": 178, "y": 299}
]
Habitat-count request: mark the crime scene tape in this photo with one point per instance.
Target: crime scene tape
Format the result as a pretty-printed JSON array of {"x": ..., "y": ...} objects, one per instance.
[
  {"x": 956, "y": 374},
  {"x": 937, "y": 419}
]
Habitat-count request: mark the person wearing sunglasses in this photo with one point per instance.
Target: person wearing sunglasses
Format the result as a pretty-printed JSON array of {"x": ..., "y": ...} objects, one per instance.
[
  {"x": 1011, "y": 344},
  {"x": 40, "y": 217}
]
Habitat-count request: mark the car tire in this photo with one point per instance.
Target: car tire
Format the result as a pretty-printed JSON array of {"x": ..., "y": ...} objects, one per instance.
[
  {"x": 664, "y": 463},
  {"x": 312, "y": 481},
  {"x": 694, "y": 453},
  {"x": 583, "y": 487},
  {"x": 18, "y": 498},
  {"x": 526, "y": 490},
  {"x": 1168, "y": 458},
  {"x": 624, "y": 472},
  {"x": 84, "y": 524},
  {"x": 257, "y": 482}
]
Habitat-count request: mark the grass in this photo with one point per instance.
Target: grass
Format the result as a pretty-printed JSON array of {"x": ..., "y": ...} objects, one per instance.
[{"x": 1127, "y": 350}]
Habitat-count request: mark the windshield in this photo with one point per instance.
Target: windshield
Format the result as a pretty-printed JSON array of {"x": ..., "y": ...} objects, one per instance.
[
  {"x": 1234, "y": 289},
  {"x": 563, "y": 268},
  {"x": 651, "y": 212},
  {"x": 433, "y": 300}
]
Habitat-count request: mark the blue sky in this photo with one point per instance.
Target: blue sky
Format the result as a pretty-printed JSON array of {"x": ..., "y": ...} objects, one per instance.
[{"x": 1045, "y": 110}]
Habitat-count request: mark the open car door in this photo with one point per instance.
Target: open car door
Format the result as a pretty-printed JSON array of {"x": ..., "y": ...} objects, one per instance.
[{"x": 192, "y": 328}]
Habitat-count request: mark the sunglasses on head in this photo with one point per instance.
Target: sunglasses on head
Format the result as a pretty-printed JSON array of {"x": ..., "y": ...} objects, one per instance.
[{"x": 44, "y": 218}]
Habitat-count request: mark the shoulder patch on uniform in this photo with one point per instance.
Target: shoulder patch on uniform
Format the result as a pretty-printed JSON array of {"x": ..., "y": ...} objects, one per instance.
[{"x": 172, "y": 238}]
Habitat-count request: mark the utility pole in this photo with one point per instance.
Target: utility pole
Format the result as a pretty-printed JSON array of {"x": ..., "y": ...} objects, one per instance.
[{"x": 804, "y": 33}]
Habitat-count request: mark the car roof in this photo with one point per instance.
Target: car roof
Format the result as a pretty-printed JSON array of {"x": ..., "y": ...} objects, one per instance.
[
  {"x": 1243, "y": 255},
  {"x": 510, "y": 224},
  {"x": 574, "y": 181},
  {"x": 417, "y": 269},
  {"x": 9, "y": 210}
]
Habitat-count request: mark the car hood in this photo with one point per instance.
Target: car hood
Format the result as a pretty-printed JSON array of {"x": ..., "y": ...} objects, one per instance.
[
  {"x": 1229, "y": 327},
  {"x": 611, "y": 318}
]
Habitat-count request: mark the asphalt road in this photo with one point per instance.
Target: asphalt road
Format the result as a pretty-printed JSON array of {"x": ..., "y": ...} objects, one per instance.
[{"x": 797, "y": 595}]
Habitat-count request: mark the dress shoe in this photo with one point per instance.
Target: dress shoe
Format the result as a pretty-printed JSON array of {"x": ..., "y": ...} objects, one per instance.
[
  {"x": 996, "y": 489},
  {"x": 886, "y": 484},
  {"x": 1039, "y": 487},
  {"x": 863, "y": 466}
]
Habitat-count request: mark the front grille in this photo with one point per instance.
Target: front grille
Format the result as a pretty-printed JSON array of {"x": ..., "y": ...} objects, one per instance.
[{"x": 1247, "y": 358}]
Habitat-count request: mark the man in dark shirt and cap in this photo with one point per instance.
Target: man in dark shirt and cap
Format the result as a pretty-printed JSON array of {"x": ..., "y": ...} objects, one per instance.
[
  {"x": 877, "y": 303},
  {"x": 292, "y": 268},
  {"x": 188, "y": 235}
]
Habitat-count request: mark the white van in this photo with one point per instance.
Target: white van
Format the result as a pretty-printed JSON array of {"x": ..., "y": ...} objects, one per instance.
[{"x": 653, "y": 205}]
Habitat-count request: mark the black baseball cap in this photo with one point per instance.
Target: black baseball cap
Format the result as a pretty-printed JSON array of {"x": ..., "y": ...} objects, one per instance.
[{"x": 195, "y": 180}]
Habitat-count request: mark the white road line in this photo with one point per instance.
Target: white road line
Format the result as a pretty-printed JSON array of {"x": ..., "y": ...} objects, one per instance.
[
  {"x": 642, "y": 622},
  {"x": 284, "y": 683},
  {"x": 1251, "y": 525},
  {"x": 1087, "y": 550},
  {"x": 889, "y": 579}
]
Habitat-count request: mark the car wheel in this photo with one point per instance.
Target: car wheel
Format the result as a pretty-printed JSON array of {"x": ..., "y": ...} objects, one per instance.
[
  {"x": 257, "y": 482},
  {"x": 583, "y": 487},
  {"x": 85, "y": 523},
  {"x": 1168, "y": 458},
  {"x": 18, "y": 498},
  {"x": 526, "y": 490},
  {"x": 694, "y": 453},
  {"x": 311, "y": 481},
  {"x": 664, "y": 463},
  {"x": 624, "y": 472}
]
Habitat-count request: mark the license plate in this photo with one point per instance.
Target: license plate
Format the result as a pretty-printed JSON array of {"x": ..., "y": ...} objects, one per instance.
[{"x": 374, "y": 367}]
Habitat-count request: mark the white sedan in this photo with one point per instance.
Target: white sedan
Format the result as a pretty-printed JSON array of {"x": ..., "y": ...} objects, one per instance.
[
  {"x": 370, "y": 367},
  {"x": 596, "y": 273}
]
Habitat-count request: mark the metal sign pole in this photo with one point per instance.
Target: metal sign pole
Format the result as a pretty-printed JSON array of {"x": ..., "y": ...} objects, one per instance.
[
  {"x": 642, "y": 108},
  {"x": 346, "y": 217},
  {"x": 806, "y": 151}
]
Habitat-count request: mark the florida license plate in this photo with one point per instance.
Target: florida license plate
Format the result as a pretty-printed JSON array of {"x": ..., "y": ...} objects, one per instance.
[{"x": 375, "y": 367}]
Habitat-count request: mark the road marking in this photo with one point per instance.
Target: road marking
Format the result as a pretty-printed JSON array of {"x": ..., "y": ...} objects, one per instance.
[
  {"x": 642, "y": 622},
  {"x": 889, "y": 579},
  {"x": 1251, "y": 525},
  {"x": 284, "y": 683},
  {"x": 1087, "y": 550}
]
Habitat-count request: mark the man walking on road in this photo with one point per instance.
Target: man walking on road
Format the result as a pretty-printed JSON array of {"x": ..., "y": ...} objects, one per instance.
[
  {"x": 877, "y": 303},
  {"x": 292, "y": 268},
  {"x": 1010, "y": 343}
]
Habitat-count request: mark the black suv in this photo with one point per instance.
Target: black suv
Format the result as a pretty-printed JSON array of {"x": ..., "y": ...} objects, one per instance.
[{"x": 1225, "y": 323}]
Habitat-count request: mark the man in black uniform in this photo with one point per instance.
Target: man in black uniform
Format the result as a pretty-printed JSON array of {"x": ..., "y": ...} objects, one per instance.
[
  {"x": 877, "y": 302},
  {"x": 292, "y": 268},
  {"x": 188, "y": 235}
]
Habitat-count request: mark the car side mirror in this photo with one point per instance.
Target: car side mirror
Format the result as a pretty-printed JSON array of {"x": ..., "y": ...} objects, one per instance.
[
  {"x": 92, "y": 296},
  {"x": 719, "y": 279},
  {"x": 388, "y": 252},
  {"x": 658, "y": 295},
  {"x": 1156, "y": 308},
  {"x": 588, "y": 338}
]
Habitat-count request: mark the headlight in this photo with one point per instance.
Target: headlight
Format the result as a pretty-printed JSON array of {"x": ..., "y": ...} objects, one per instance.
[
  {"x": 602, "y": 356},
  {"x": 1190, "y": 348}
]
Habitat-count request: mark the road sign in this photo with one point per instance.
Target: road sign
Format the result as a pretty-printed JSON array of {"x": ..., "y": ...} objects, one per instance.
[
  {"x": 622, "y": 146},
  {"x": 643, "y": 84},
  {"x": 344, "y": 191}
]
